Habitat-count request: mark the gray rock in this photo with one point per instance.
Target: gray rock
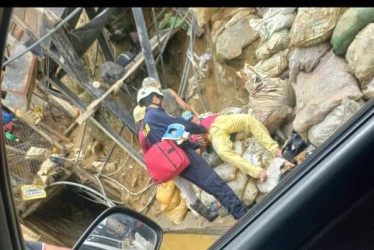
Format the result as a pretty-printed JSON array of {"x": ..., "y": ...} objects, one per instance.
[
  {"x": 234, "y": 39},
  {"x": 111, "y": 72}
]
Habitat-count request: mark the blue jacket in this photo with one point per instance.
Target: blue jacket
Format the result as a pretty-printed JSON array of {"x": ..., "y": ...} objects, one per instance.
[{"x": 157, "y": 120}]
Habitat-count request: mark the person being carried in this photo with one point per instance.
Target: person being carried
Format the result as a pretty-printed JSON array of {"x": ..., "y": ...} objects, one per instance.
[
  {"x": 183, "y": 185},
  {"x": 198, "y": 172},
  {"x": 220, "y": 128}
]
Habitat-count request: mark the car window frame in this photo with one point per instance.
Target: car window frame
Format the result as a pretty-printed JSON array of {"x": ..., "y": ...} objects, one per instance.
[{"x": 10, "y": 230}]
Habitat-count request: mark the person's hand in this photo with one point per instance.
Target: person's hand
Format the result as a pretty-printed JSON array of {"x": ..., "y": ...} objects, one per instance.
[
  {"x": 262, "y": 176},
  {"x": 278, "y": 153},
  {"x": 201, "y": 141}
]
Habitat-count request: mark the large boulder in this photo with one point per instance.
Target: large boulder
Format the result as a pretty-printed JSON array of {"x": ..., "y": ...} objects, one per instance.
[{"x": 229, "y": 46}]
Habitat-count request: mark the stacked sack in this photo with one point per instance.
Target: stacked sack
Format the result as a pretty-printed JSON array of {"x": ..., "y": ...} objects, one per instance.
[
  {"x": 271, "y": 97},
  {"x": 324, "y": 89},
  {"x": 328, "y": 88},
  {"x": 168, "y": 195}
]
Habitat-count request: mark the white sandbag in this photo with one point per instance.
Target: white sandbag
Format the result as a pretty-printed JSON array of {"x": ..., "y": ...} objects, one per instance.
[
  {"x": 213, "y": 159},
  {"x": 260, "y": 197},
  {"x": 271, "y": 67},
  {"x": 239, "y": 147},
  {"x": 250, "y": 192},
  {"x": 360, "y": 55},
  {"x": 254, "y": 152},
  {"x": 274, "y": 20},
  {"x": 239, "y": 184},
  {"x": 319, "y": 133},
  {"x": 268, "y": 96},
  {"x": 277, "y": 42},
  {"x": 319, "y": 92},
  {"x": 35, "y": 152},
  {"x": 207, "y": 199},
  {"x": 226, "y": 172},
  {"x": 273, "y": 175},
  {"x": 369, "y": 90},
  {"x": 305, "y": 59},
  {"x": 231, "y": 110},
  {"x": 313, "y": 26}
]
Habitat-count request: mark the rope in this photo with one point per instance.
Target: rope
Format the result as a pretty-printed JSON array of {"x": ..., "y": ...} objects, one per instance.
[
  {"x": 189, "y": 55},
  {"x": 111, "y": 152},
  {"x": 150, "y": 200},
  {"x": 126, "y": 189},
  {"x": 101, "y": 186}
]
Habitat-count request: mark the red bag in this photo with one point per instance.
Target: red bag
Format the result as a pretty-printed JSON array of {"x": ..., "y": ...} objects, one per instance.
[{"x": 165, "y": 160}]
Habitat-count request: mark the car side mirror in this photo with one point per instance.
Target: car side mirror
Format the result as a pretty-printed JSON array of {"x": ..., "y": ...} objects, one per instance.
[{"x": 120, "y": 228}]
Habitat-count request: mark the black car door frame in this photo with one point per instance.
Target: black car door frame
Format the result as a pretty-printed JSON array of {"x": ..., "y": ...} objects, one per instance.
[{"x": 10, "y": 231}]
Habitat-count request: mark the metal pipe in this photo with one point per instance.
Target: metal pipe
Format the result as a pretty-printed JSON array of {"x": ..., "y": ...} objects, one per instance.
[
  {"x": 72, "y": 14},
  {"x": 144, "y": 41},
  {"x": 159, "y": 45}
]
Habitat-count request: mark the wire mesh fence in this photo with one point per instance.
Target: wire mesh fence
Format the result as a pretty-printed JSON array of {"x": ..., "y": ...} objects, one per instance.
[{"x": 27, "y": 129}]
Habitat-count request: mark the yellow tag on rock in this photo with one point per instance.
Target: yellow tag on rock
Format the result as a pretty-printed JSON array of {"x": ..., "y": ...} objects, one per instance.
[{"x": 32, "y": 192}]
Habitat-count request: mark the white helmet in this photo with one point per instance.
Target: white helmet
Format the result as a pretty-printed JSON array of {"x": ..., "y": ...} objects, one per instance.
[
  {"x": 149, "y": 81},
  {"x": 146, "y": 91}
]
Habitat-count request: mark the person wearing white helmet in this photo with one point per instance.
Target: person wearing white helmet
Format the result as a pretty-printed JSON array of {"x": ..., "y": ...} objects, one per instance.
[
  {"x": 183, "y": 185},
  {"x": 198, "y": 172}
]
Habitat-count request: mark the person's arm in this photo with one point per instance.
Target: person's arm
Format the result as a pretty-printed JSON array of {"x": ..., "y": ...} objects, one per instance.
[
  {"x": 188, "y": 126},
  {"x": 182, "y": 104},
  {"x": 262, "y": 135}
]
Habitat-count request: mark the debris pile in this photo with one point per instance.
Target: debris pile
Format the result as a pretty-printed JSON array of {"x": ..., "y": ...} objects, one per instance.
[{"x": 68, "y": 117}]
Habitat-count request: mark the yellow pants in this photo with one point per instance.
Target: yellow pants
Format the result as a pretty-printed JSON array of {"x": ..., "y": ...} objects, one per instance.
[{"x": 219, "y": 135}]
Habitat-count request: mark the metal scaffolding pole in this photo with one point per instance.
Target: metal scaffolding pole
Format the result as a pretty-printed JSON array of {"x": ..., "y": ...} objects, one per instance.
[{"x": 144, "y": 41}]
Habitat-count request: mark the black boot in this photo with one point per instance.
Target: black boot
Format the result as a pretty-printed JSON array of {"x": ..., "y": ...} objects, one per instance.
[{"x": 199, "y": 207}]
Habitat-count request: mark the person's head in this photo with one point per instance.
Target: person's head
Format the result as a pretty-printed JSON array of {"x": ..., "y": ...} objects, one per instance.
[
  {"x": 139, "y": 113},
  {"x": 191, "y": 117},
  {"x": 149, "y": 95},
  {"x": 149, "y": 81}
]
